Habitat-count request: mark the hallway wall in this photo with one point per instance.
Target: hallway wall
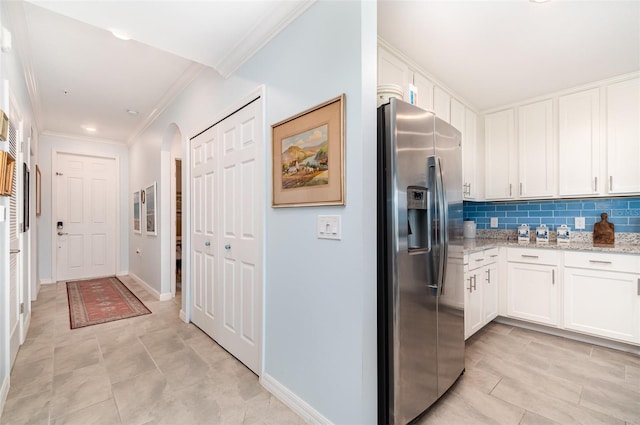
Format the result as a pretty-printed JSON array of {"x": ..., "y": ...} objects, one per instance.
[{"x": 320, "y": 311}]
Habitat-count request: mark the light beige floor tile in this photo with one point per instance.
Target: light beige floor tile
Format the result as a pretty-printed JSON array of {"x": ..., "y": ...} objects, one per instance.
[
  {"x": 31, "y": 378},
  {"x": 549, "y": 407},
  {"x": 129, "y": 360},
  {"x": 103, "y": 413},
  {"x": 182, "y": 368},
  {"x": 617, "y": 402},
  {"x": 140, "y": 398},
  {"x": 75, "y": 356},
  {"x": 32, "y": 410},
  {"x": 78, "y": 389},
  {"x": 608, "y": 354},
  {"x": 531, "y": 418}
]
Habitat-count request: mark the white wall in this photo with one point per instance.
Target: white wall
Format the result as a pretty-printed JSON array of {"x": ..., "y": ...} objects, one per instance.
[
  {"x": 11, "y": 72},
  {"x": 47, "y": 145},
  {"x": 320, "y": 311}
]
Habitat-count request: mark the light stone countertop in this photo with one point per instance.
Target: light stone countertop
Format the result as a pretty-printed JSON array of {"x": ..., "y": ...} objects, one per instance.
[{"x": 627, "y": 244}]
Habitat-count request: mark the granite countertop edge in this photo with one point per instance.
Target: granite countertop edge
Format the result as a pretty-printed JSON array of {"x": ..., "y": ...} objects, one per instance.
[{"x": 473, "y": 245}]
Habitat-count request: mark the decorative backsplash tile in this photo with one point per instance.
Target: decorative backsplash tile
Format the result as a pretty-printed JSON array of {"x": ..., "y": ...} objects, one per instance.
[{"x": 624, "y": 213}]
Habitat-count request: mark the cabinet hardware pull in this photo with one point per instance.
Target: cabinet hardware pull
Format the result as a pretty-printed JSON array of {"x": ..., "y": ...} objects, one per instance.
[
  {"x": 595, "y": 186},
  {"x": 474, "y": 282},
  {"x": 610, "y": 183},
  {"x": 470, "y": 288},
  {"x": 510, "y": 189},
  {"x": 520, "y": 188},
  {"x": 494, "y": 255},
  {"x": 469, "y": 189},
  {"x": 639, "y": 286},
  {"x": 553, "y": 276},
  {"x": 488, "y": 275},
  {"x": 479, "y": 259},
  {"x": 600, "y": 262},
  {"x": 529, "y": 256}
]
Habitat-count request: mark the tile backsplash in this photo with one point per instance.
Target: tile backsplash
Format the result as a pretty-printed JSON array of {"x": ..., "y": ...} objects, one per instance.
[{"x": 624, "y": 213}]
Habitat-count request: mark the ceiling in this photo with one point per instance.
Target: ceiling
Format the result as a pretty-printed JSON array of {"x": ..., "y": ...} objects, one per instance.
[
  {"x": 494, "y": 53},
  {"x": 490, "y": 53},
  {"x": 81, "y": 76}
]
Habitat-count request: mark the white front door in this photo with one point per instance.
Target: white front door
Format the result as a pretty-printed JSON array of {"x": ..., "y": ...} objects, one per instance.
[
  {"x": 84, "y": 217},
  {"x": 228, "y": 195}
]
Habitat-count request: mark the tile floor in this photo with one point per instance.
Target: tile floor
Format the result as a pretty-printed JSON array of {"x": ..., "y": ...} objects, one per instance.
[
  {"x": 517, "y": 376},
  {"x": 152, "y": 369},
  {"x": 155, "y": 369}
]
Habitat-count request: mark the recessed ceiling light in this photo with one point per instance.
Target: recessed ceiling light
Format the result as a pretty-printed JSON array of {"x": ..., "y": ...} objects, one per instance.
[
  {"x": 89, "y": 128},
  {"x": 121, "y": 35},
  {"x": 132, "y": 111},
  {"x": 538, "y": 1}
]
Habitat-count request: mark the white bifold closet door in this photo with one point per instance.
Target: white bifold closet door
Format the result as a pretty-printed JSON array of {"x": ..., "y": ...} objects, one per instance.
[{"x": 227, "y": 209}]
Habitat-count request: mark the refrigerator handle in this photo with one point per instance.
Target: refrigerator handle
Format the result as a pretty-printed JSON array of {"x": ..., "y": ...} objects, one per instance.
[{"x": 443, "y": 227}]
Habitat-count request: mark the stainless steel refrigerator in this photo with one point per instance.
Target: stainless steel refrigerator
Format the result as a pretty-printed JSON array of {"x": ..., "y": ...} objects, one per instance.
[{"x": 420, "y": 275}]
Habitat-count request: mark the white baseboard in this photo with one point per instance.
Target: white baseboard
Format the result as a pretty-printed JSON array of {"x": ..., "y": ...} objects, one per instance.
[
  {"x": 292, "y": 401},
  {"x": 46, "y": 281},
  {"x": 4, "y": 392},
  {"x": 183, "y": 316},
  {"x": 160, "y": 297}
]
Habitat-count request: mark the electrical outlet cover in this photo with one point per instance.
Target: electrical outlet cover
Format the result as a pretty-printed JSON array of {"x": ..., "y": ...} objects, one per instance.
[
  {"x": 579, "y": 223},
  {"x": 494, "y": 222}
]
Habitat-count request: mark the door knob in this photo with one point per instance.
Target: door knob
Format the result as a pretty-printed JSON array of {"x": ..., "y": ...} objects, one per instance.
[
  {"x": 227, "y": 247},
  {"x": 207, "y": 243}
]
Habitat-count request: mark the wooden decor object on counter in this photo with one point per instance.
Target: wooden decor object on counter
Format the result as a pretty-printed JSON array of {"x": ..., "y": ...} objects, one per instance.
[{"x": 603, "y": 233}]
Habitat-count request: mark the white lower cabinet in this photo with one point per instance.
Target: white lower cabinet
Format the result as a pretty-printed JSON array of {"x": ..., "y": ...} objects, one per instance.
[
  {"x": 481, "y": 290},
  {"x": 600, "y": 301},
  {"x": 532, "y": 285}
]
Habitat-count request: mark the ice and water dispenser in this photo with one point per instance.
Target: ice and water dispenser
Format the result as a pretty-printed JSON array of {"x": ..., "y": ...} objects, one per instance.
[{"x": 419, "y": 220}]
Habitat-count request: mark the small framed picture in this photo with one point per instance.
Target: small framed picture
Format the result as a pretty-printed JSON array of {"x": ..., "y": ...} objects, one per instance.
[
  {"x": 150, "y": 210},
  {"x": 136, "y": 213}
]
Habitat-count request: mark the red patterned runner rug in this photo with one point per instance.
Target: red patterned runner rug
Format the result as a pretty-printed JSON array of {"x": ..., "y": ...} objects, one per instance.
[{"x": 101, "y": 300}]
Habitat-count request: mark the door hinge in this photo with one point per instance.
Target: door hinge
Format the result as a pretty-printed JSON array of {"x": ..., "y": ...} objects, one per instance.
[{"x": 21, "y": 308}]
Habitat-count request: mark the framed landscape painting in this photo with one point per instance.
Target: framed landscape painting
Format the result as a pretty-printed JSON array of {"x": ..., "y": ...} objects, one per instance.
[
  {"x": 308, "y": 157},
  {"x": 150, "y": 209}
]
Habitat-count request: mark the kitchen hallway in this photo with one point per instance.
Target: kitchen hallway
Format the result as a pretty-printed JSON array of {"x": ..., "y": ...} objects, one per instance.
[{"x": 155, "y": 369}]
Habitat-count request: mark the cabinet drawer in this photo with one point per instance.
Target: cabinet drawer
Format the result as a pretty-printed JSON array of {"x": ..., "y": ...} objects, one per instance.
[
  {"x": 603, "y": 261},
  {"x": 532, "y": 256},
  {"x": 482, "y": 258}
]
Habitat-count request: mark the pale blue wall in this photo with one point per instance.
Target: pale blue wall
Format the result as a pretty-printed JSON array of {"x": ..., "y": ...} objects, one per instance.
[{"x": 320, "y": 306}]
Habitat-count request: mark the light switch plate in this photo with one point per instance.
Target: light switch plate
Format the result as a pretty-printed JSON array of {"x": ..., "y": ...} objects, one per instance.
[
  {"x": 579, "y": 223},
  {"x": 329, "y": 227},
  {"x": 494, "y": 222}
]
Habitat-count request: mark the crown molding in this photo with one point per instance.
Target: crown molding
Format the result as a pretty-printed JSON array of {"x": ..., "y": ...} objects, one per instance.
[
  {"x": 22, "y": 51},
  {"x": 260, "y": 35},
  {"x": 174, "y": 91},
  {"x": 83, "y": 138}
]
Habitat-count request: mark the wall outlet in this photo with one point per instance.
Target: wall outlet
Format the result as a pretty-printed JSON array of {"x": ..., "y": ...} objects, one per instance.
[
  {"x": 579, "y": 223},
  {"x": 494, "y": 222}
]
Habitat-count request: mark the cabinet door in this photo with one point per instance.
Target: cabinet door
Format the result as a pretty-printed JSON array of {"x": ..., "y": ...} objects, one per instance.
[
  {"x": 500, "y": 155},
  {"x": 532, "y": 293},
  {"x": 537, "y": 150},
  {"x": 459, "y": 121},
  {"x": 470, "y": 157},
  {"x": 490, "y": 292},
  {"x": 602, "y": 303},
  {"x": 441, "y": 104},
  {"x": 425, "y": 91},
  {"x": 623, "y": 136},
  {"x": 392, "y": 70},
  {"x": 579, "y": 143},
  {"x": 473, "y": 317}
]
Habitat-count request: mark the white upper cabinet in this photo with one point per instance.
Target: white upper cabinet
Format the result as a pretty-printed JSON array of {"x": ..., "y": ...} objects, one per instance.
[
  {"x": 623, "y": 136},
  {"x": 500, "y": 155},
  {"x": 579, "y": 144},
  {"x": 392, "y": 70},
  {"x": 425, "y": 91},
  {"x": 466, "y": 121},
  {"x": 441, "y": 104},
  {"x": 537, "y": 149}
]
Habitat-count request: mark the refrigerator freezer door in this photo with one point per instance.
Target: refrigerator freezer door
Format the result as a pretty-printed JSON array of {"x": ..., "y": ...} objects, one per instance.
[{"x": 413, "y": 287}]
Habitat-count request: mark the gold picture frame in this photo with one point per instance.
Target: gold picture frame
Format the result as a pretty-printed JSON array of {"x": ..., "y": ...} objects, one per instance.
[
  {"x": 7, "y": 168},
  {"x": 308, "y": 157}
]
